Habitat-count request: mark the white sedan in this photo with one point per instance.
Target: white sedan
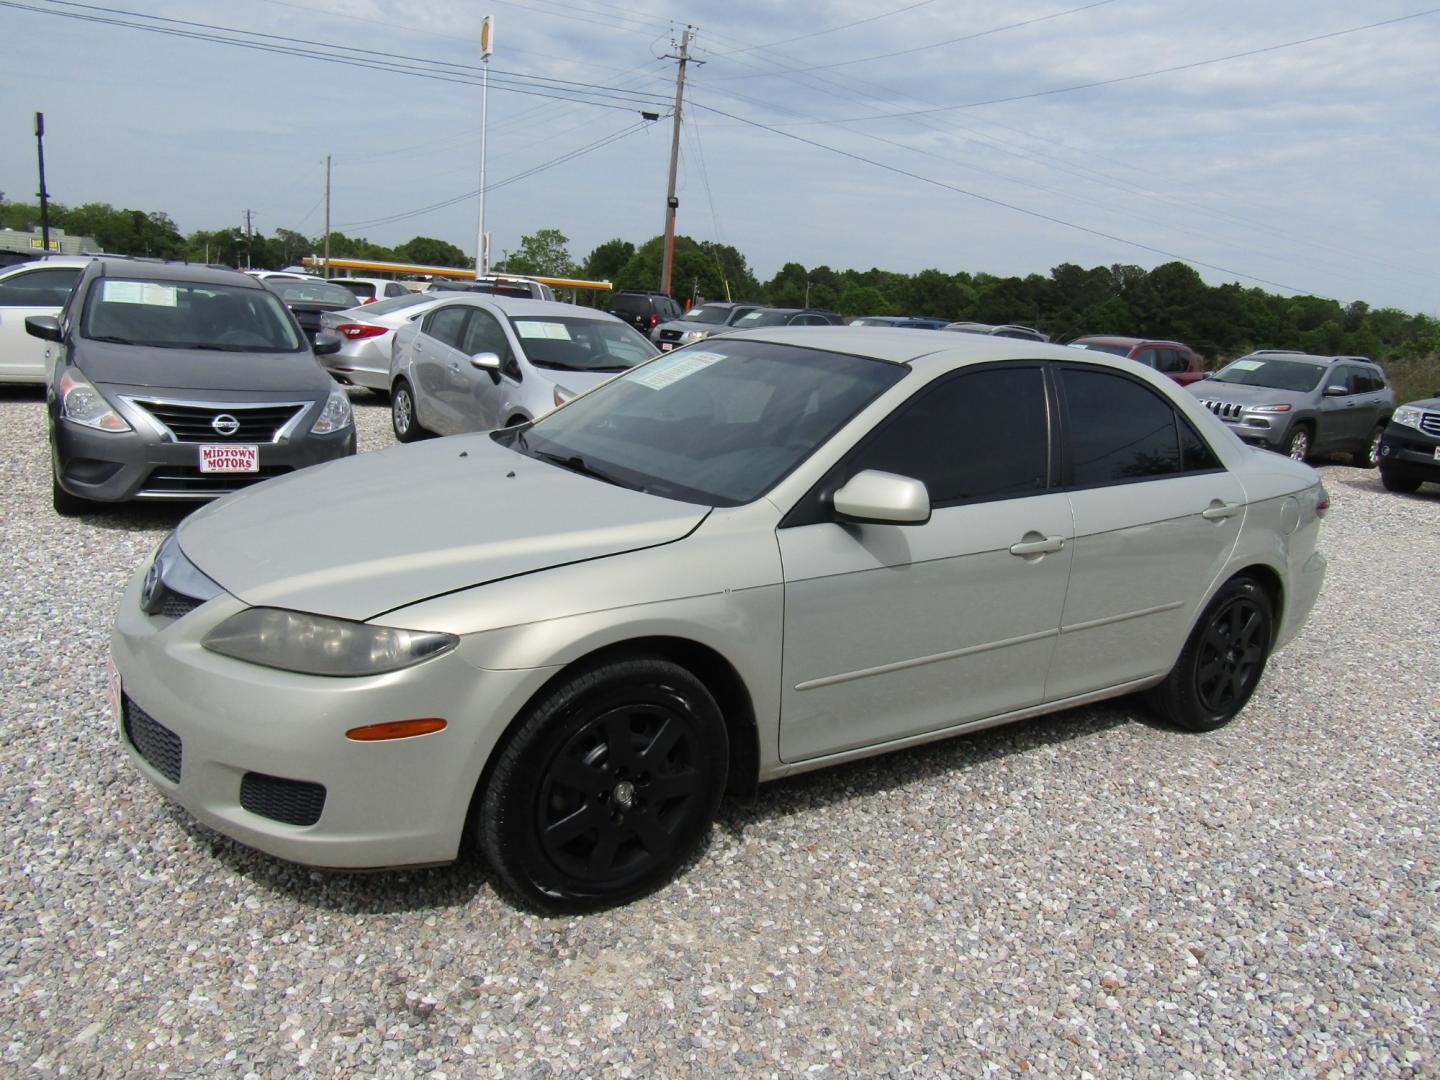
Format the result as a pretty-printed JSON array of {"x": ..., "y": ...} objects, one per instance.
[
  {"x": 33, "y": 288},
  {"x": 772, "y": 552}
]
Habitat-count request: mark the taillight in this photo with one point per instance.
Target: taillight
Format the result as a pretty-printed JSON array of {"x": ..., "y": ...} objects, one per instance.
[
  {"x": 1322, "y": 504},
  {"x": 369, "y": 300},
  {"x": 354, "y": 330},
  {"x": 653, "y": 322}
]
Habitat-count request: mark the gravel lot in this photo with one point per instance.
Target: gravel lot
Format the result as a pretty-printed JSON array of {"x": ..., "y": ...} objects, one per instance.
[{"x": 1088, "y": 893}]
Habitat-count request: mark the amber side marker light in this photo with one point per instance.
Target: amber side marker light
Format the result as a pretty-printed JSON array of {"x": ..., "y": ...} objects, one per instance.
[{"x": 395, "y": 729}]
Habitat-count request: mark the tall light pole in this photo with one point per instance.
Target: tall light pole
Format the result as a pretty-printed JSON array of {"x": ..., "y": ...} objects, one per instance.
[
  {"x": 487, "y": 46},
  {"x": 44, "y": 195}
]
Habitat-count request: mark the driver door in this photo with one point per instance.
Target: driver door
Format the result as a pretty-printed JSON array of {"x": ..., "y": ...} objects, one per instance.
[{"x": 485, "y": 396}]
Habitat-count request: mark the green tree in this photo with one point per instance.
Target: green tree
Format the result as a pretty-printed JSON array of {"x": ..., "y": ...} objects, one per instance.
[
  {"x": 431, "y": 252},
  {"x": 544, "y": 253},
  {"x": 607, "y": 260}
]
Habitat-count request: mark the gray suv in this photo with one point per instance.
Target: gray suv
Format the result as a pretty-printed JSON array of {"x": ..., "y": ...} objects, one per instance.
[
  {"x": 176, "y": 381},
  {"x": 1299, "y": 405},
  {"x": 698, "y": 323}
]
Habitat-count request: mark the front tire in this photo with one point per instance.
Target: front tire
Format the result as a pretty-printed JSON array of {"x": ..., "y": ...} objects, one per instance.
[
  {"x": 65, "y": 504},
  {"x": 607, "y": 786},
  {"x": 1398, "y": 482},
  {"x": 1222, "y": 661},
  {"x": 1297, "y": 446},
  {"x": 403, "y": 418}
]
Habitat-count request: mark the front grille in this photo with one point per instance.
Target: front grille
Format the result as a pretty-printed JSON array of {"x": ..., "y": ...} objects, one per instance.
[
  {"x": 152, "y": 740},
  {"x": 1430, "y": 423},
  {"x": 196, "y": 423},
  {"x": 173, "y": 604},
  {"x": 294, "y": 802},
  {"x": 168, "y": 481},
  {"x": 1226, "y": 410},
  {"x": 669, "y": 335}
]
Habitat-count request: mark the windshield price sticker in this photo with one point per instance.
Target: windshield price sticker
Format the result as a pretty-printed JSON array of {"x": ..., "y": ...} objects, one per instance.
[
  {"x": 229, "y": 458},
  {"x": 1245, "y": 365},
  {"x": 139, "y": 292},
  {"x": 529, "y": 328},
  {"x": 659, "y": 374}
]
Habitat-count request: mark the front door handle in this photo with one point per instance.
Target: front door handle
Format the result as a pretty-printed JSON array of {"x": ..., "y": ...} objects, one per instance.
[
  {"x": 1039, "y": 545},
  {"x": 1218, "y": 511},
  {"x": 455, "y": 367}
]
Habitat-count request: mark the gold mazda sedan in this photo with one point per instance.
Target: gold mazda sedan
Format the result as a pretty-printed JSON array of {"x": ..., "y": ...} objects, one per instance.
[{"x": 563, "y": 642}]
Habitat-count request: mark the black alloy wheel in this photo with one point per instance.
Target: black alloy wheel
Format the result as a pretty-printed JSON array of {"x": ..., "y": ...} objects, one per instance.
[
  {"x": 607, "y": 786},
  {"x": 1222, "y": 661}
]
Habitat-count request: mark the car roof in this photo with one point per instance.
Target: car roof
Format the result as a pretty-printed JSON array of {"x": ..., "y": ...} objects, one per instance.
[
  {"x": 898, "y": 345},
  {"x": 62, "y": 262},
  {"x": 520, "y": 306},
  {"x": 165, "y": 270}
]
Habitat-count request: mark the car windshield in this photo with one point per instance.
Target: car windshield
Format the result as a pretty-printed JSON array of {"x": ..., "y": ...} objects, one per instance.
[
  {"x": 710, "y": 316},
  {"x": 762, "y": 318},
  {"x": 1297, "y": 375},
  {"x": 396, "y": 303},
  {"x": 361, "y": 289},
  {"x": 570, "y": 344},
  {"x": 312, "y": 292},
  {"x": 1095, "y": 346},
  {"x": 189, "y": 315},
  {"x": 719, "y": 427}
]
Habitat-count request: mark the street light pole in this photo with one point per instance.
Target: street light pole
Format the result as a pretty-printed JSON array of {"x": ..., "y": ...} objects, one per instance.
[
  {"x": 44, "y": 195},
  {"x": 487, "y": 46}
]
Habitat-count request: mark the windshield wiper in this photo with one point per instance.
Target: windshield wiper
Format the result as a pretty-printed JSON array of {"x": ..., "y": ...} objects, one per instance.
[
  {"x": 577, "y": 464},
  {"x": 112, "y": 339}
]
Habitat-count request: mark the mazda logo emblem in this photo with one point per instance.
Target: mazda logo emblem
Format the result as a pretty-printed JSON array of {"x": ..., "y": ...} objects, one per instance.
[{"x": 225, "y": 424}]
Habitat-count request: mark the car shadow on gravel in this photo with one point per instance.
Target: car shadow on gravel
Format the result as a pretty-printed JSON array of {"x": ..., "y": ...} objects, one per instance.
[
  {"x": 902, "y": 768},
  {"x": 21, "y": 392},
  {"x": 137, "y": 516}
]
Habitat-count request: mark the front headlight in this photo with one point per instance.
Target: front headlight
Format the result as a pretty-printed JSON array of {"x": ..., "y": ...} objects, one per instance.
[
  {"x": 1408, "y": 416},
  {"x": 81, "y": 403},
  {"x": 336, "y": 414},
  {"x": 1267, "y": 408},
  {"x": 695, "y": 335},
  {"x": 321, "y": 645}
]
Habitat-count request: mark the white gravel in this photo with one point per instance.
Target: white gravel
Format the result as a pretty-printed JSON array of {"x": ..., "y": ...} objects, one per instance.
[{"x": 1086, "y": 894}]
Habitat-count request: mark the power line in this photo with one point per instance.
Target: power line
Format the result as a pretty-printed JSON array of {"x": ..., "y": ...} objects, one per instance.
[{"x": 1002, "y": 203}]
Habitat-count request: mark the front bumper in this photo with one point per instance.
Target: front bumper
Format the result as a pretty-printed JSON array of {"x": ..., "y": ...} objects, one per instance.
[
  {"x": 393, "y": 803},
  {"x": 1409, "y": 453},
  {"x": 108, "y": 466}
]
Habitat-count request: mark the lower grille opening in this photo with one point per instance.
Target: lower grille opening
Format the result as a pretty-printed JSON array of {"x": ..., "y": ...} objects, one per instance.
[
  {"x": 294, "y": 802},
  {"x": 152, "y": 740}
]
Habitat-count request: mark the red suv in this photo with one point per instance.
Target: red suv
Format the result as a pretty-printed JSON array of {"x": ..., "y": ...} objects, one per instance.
[{"x": 1180, "y": 362}]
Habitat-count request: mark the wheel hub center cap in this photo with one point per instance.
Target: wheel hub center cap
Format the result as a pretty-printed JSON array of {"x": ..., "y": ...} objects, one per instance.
[{"x": 624, "y": 795}]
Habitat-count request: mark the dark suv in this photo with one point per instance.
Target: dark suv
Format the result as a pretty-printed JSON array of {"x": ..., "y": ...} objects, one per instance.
[
  {"x": 1300, "y": 405},
  {"x": 643, "y": 310},
  {"x": 1173, "y": 358},
  {"x": 1410, "y": 447}
]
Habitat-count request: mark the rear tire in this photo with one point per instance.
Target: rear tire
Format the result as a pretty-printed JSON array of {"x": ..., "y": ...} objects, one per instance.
[
  {"x": 1222, "y": 661},
  {"x": 1397, "y": 482},
  {"x": 1369, "y": 457},
  {"x": 403, "y": 418},
  {"x": 607, "y": 786}
]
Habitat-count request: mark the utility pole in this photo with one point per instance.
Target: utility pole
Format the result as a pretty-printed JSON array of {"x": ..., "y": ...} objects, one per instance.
[
  {"x": 672, "y": 203},
  {"x": 247, "y": 239},
  {"x": 44, "y": 195},
  {"x": 327, "y": 215}
]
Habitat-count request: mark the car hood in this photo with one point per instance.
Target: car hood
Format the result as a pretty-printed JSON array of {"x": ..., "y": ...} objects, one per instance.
[
  {"x": 1240, "y": 394},
  {"x": 200, "y": 369},
  {"x": 365, "y": 535}
]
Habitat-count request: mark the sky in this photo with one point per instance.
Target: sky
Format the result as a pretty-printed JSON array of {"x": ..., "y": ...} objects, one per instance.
[{"x": 1286, "y": 144}]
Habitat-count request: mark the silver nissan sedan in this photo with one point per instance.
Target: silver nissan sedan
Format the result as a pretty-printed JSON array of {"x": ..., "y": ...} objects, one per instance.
[{"x": 562, "y": 643}]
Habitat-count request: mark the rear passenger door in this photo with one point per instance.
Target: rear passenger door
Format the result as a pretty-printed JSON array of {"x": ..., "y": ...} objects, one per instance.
[{"x": 1156, "y": 517}]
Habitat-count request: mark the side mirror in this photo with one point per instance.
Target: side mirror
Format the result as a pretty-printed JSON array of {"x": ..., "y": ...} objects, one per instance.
[
  {"x": 43, "y": 326},
  {"x": 327, "y": 344},
  {"x": 882, "y": 498},
  {"x": 1336, "y": 391},
  {"x": 485, "y": 361}
]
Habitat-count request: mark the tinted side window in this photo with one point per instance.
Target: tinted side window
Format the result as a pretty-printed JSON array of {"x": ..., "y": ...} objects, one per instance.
[
  {"x": 1195, "y": 452},
  {"x": 979, "y": 435},
  {"x": 484, "y": 334},
  {"x": 445, "y": 324},
  {"x": 39, "y": 288},
  {"x": 1119, "y": 430}
]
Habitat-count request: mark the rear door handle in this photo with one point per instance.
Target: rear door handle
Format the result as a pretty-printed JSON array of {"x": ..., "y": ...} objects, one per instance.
[
  {"x": 1218, "y": 511},
  {"x": 1040, "y": 545}
]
